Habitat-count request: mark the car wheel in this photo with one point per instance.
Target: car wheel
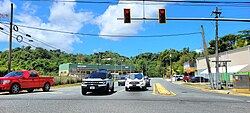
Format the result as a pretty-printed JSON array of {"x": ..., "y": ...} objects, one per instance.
[
  {"x": 30, "y": 90},
  {"x": 15, "y": 88},
  {"x": 126, "y": 89},
  {"x": 107, "y": 89},
  {"x": 46, "y": 87},
  {"x": 84, "y": 92},
  {"x": 113, "y": 88}
]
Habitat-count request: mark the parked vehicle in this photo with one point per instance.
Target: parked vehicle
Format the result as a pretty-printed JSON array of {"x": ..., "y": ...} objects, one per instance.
[
  {"x": 121, "y": 81},
  {"x": 186, "y": 78},
  {"x": 101, "y": 81},
  {"x": 198, "y": 79},
  {"x": 147, "y": 81},
  {"x": 135, "y": 81},
  {"x": 179, "y": 77},
  {"x": 28, "y": 80}
]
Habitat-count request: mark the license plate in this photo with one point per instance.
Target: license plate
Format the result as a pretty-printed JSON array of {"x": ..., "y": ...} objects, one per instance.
[{"x": 92, "y": 87}]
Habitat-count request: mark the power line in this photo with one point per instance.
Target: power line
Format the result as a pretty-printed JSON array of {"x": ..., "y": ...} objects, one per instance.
[
  {"x": 33, "y": 38},
  {"x": 15, "y": 38},
  {"x": 85, "y": 34},
  {"x": 136, "y": 1}
]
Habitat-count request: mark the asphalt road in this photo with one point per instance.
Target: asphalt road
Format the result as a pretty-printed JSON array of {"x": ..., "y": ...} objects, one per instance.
[{"x": 69, "y": 100}]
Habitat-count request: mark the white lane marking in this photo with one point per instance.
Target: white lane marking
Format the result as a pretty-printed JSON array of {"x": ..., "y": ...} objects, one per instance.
[{"x": 38, "y": 93}]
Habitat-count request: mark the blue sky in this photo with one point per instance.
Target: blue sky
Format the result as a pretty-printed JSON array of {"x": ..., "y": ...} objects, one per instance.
[{"x": 101, "y": 19}]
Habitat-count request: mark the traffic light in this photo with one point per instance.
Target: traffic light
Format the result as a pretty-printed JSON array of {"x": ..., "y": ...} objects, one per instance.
[
  {"x": 162, "y": 16},
  {"x": 127, "y": 18}
]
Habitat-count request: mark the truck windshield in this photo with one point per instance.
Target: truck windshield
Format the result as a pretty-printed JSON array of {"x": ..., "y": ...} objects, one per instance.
[
  {"x": 12, "y": 74},
  {"x": 97, "y": 75}
]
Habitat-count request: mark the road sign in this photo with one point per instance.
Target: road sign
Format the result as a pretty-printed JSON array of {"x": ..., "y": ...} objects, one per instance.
[{"x": 3, "y": 15}]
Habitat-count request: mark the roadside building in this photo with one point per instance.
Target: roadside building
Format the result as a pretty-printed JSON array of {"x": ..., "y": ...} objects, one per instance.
[
  {"x": 190, "y": 68},
  {"x": 239, "y": 63},
  {"x": 84, "y": 69}
]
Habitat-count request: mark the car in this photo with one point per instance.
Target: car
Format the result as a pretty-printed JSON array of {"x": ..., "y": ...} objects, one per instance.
[
  {"x": 198, "y": 79},
  {"x": 147, "y": 81},
  {"x": 28, "y": 80},
  {"x": 121, "y": 81},
  {"x": 179, "y": 77},
  {"x": 98, "y": 82},
  {"x": 135, "y": 81},
  {"x": 186, "y": 78}
]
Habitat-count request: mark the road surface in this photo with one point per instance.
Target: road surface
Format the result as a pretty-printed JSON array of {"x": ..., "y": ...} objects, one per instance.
[{"x": 69, "y": 100}]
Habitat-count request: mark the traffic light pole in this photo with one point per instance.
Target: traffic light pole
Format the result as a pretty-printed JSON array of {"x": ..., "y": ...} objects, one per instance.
[{"x": 200, "y": 19}]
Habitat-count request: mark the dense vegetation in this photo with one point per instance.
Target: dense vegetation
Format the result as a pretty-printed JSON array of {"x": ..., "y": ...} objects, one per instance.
[{"x": 152, "y": 64}]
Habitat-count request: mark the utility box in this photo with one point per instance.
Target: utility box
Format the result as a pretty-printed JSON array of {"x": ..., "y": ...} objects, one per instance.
[{"x": 241, "y": 83}]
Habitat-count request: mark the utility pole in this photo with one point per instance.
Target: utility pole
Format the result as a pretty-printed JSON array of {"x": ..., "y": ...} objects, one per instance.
[
  {"x": 10, "y": 40},
  {"x": 207, "y": 59},
  {"x": 217, "y": 15},
  {"x": 171, "y": 76}
]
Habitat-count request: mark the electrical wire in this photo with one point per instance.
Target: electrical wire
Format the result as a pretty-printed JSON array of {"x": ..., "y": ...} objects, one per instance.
[
  {"x": 33, "y": 38},
  {"x": 153, "y": 2},
  {"x": 15, "y": 38},
  {"x": 85, "y": 34}
]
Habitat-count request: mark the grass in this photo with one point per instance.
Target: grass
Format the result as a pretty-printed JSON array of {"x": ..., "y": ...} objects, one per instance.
[
  {"x": 66, "y": 85},
  {"x": 204, "y": 86}
]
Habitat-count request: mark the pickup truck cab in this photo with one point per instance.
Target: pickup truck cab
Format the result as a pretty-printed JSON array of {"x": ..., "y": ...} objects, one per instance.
[
  {"x": 100, "y": 81},
  {"x": 28, "y": 80}
]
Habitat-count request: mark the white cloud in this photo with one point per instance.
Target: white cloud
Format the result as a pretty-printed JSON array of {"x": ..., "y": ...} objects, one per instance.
[
  {"x": 5, "y": 6},
  {"x": 109, "y": 24},
  {"x": 63, "y": 16},
  {"x": 198, "y": 50},
  {"x": 97, "y": 50},
  {"x": 31, "y": 9},
  {"x": 4, "y": 9}
]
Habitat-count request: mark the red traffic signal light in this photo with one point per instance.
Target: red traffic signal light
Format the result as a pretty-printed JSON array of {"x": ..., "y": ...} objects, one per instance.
[
  {"x": 127, "y": 17},
  {"x": 162, "y": 16}
]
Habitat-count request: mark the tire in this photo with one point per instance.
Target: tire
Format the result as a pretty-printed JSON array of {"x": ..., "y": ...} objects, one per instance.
[
  {"x": 107, "y": 89},
  {"x": 126, "y": 89},
  {"x": 84, "y": 92},
  {"x": 30, "y": 90},
  {"x": 46, "y": 87},
  {"x": 113, "y": 88},
  {"x": 15, "y": 88},
  {"x": 144, "y": 88}
]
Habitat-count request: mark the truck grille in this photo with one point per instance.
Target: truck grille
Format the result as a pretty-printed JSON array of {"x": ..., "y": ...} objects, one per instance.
[
  {"x": 134, "y": 82},
  {"x": 93, "y": 82}
]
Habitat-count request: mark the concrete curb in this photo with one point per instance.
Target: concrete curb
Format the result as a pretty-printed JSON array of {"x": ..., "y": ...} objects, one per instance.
[{"x": 218, "y": 91}]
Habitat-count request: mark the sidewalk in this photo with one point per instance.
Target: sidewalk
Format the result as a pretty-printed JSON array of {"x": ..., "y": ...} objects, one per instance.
[{"x": 205, "y": 87}]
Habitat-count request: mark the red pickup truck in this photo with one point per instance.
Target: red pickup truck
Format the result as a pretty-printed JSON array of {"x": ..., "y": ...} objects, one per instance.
[{"x": 25, "y": 80}]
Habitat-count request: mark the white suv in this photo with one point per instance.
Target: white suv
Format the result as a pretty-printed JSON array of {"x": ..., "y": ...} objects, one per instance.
[
  {"x": 135, "y": 81},
  {"x": 98, "y": 82}
]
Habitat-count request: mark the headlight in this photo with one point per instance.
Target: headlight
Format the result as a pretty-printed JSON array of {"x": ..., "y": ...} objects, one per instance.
[
  {"x": 103, "y": 82},
  {"x": 6, "y": 81}
]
